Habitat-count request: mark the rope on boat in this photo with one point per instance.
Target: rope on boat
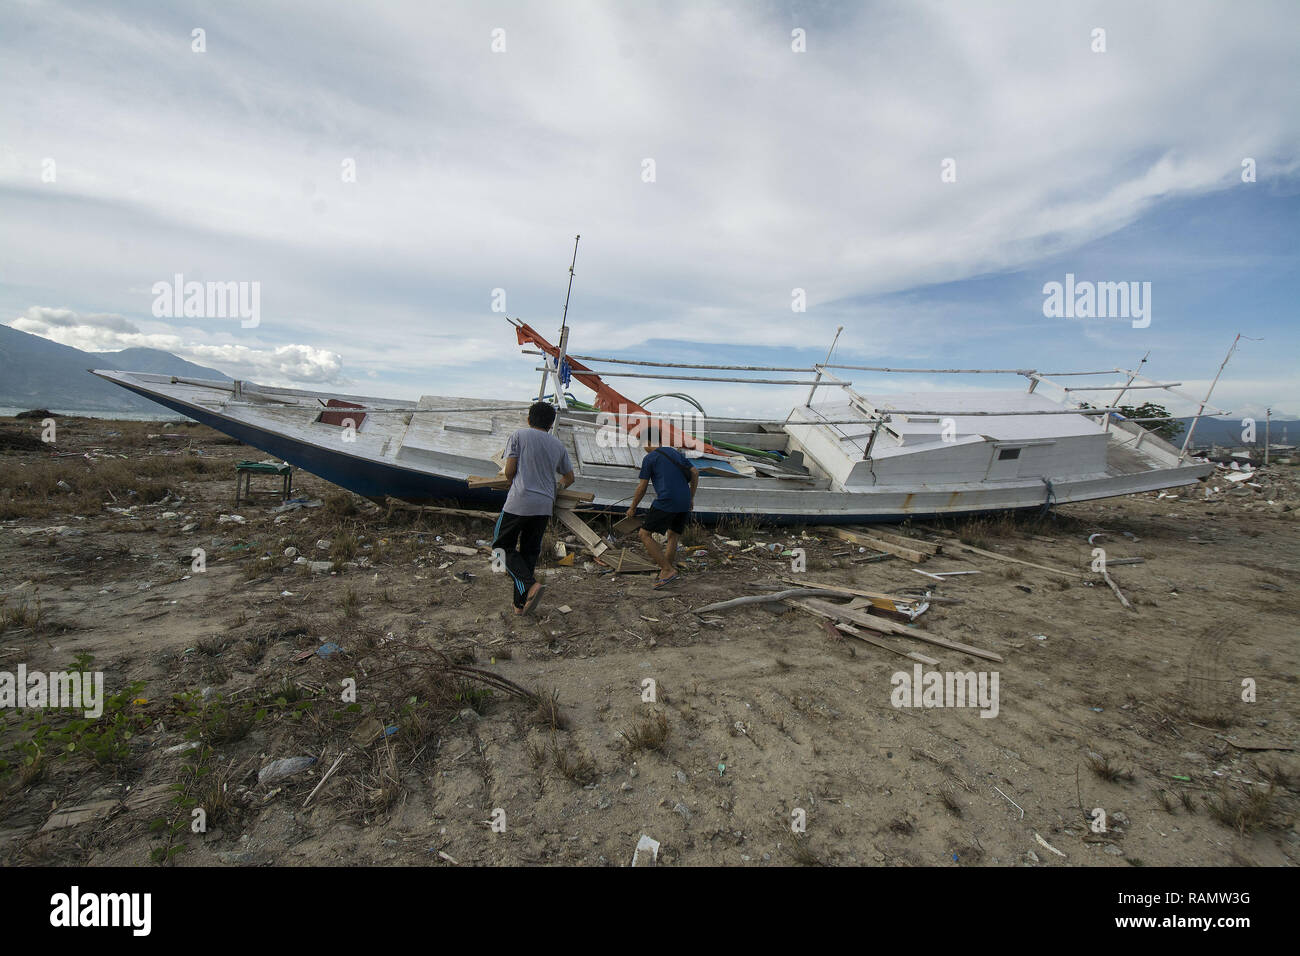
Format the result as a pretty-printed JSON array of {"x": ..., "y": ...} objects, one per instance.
[{"x": 523, "y": 406}]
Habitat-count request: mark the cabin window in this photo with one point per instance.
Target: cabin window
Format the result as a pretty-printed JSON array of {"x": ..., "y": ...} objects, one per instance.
[{"x": 1007, "y": 454}]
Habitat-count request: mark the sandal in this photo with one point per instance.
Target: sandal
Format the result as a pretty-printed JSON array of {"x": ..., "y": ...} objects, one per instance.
[{"x": 534, "y": 598}]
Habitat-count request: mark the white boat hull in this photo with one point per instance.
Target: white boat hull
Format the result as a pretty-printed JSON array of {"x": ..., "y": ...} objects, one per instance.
[{"x": 424, "y": 451}]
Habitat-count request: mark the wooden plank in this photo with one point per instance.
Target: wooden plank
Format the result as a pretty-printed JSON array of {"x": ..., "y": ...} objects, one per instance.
[
  {"x": 589, "y": 450},
  {"x": 627, "y": 525},
  {"x": 849, "y": 629},
  {"x": 770, "y": 597},
  {"x": 1118, "y": 593},
  {"x": 926, "y": 546},
  {"x": 876, "y": 544},
  {"x": 866, "y": 620},
  {"x": 628, "y": 561},
  {"x": 845, "y": 613},
  {"x": 502, "y": 483},
  {"x": 878, "y": 642},
  {"x": 886, "y": 602},
  {"x": 594, "y": 542}
]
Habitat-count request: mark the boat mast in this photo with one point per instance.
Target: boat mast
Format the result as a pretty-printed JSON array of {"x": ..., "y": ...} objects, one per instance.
[{"x": 564, "y": 337}]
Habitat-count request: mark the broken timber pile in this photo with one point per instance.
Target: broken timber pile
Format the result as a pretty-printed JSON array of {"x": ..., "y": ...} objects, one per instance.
[
  {"x": 848, "y": 618},
  {"x": 842, "y": 612},
  {"x": 910, "y": 549},
  {"x": 623, "y": 562}
]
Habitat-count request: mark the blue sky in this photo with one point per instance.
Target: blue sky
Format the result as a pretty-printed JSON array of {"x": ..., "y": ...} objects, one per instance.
[{"x": 774, "y": 170}]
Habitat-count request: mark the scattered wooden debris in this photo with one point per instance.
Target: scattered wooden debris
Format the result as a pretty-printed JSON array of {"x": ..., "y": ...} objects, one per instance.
[
  {"x": 627, "y": 561},
  {"x": 839, "y": 629},
  {"x": 841, "y": 613},
  {"x": 624, "y": 562},
  {"x": 916, "y": 544},
  {"x": 941, "y": 575},
  {"x": 626, "y": 525},
  {"x": 754, "y": 599},
  {"x": 886, "y": 602},
  {"x": 876, "y": 544},
  {"x": 1118, "y": 593},
  {"x": 1043, "y": 843},
  {"x": 595, "y": 544},
  {"x": 328, "y": 773},
  {"x": 835, "y": 634},
  {"x": 872, "y": 558}
]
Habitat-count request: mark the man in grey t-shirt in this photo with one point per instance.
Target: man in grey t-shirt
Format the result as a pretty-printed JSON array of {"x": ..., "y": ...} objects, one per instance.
[{"x": 533, "y": 458}]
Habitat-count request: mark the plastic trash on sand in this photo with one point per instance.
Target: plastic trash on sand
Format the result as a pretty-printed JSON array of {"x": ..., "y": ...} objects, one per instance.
[
  {"x": 647, "y": 852},
  {"x": 284, "y": 767}
]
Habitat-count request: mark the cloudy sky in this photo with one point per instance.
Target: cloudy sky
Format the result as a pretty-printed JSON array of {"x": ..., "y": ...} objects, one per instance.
[{"x": 716, "y": 157}]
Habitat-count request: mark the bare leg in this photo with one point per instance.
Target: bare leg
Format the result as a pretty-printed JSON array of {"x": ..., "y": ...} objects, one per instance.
[
  {"x": 670, "y": 553},
  {"x": 656, "y": 555}
]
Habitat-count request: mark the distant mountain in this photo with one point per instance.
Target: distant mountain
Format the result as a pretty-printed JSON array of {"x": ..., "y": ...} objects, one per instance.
[
  {"x": 1227, "y": 431},
  {"x": 156, "y": 361},
  {"x": 38, "y": 373}
]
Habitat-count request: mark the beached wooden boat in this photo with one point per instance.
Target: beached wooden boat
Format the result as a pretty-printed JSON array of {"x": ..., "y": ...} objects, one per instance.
[{"x": 839, "y": 458}]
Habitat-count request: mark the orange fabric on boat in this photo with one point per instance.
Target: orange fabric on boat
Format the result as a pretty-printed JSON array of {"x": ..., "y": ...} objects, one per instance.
[{"x": 613, "y": 402}]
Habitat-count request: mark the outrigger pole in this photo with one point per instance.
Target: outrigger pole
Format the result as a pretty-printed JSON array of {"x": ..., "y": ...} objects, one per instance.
[
  {"x": 1192, "y": 427},
  {"x": 813, "y": 391}
]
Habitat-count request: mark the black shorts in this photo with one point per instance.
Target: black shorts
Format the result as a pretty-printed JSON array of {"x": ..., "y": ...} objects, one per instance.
[{"x": 661, "y": 522}]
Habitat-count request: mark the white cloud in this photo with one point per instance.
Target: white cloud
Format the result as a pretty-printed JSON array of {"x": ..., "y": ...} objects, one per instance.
[
  {"x": 775, "y": 170},
  {"x": 274, "y": 365}
]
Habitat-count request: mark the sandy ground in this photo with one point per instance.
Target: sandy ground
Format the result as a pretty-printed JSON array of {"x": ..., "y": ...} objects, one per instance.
[{"x": 782, "y": 746}]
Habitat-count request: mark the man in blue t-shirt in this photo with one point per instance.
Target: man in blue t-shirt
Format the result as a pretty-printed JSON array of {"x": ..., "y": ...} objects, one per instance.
[{"x": 675, "y": 480}]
